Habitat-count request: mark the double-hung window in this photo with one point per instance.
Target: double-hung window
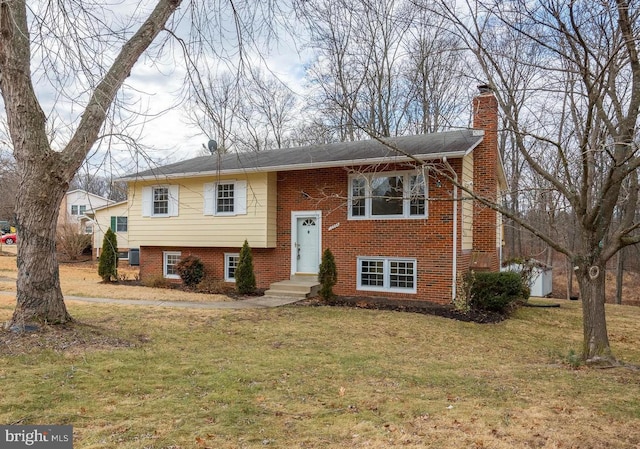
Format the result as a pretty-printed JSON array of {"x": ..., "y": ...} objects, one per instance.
[
  {"x": 388, "y": 196},
  {"x": 160, "y": 201},
  {"x": 119, "y": 224},
  {"x": 387, "y": 274},
  {"x": 170, "y": 259},
  {"x": 230, "y": 265},
  {"x": 225, "y": 198}
]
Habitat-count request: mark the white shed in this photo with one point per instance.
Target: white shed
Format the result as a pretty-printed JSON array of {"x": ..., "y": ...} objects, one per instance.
[{"x": 541, "y": 276}]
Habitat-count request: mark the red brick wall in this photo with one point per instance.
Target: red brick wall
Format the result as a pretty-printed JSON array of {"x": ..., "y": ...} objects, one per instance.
[
  {"x": 485, "y": 182},
  {"x": 429, "y": 241}
]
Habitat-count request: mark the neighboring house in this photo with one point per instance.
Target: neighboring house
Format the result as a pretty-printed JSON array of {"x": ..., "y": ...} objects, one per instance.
[
  {"x": 76, "y": 207},
  {"x": 114, "y": 216},
  {"x": 390, "y": 222}
]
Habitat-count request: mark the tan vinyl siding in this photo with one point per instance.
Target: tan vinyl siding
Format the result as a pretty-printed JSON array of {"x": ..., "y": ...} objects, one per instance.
[
  {"x": 191, "y": 227},
  {"x": 102, "y": 221},
  {"x": 467, "y": 204}
]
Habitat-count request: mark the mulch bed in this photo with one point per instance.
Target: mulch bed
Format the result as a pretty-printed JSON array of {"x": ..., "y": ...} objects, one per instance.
[{"x": 424, "y": 307}]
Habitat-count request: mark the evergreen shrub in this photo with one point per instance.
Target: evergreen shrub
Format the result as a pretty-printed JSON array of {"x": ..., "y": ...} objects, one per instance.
[
  {"x": 327, "y": 275},
  {"x": 108, "y": 262},
  {"x": 496, "y": 291},
  {"x": 245, "y": 276}
]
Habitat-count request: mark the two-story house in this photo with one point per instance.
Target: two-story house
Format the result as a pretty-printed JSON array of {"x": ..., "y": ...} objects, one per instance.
[
  {"x": 76, "y": 207},
  {"x": 396, "y": 224}
]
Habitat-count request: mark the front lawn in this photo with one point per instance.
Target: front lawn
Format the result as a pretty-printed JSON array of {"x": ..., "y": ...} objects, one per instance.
[{"x": 321, "y": 377}]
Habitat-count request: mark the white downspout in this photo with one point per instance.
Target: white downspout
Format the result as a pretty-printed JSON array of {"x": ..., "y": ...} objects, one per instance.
[{"x": 454, "y": 270}]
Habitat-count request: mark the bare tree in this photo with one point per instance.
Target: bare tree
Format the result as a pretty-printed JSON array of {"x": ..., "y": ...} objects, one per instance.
[
  {"x": 435, "y": 97},
  {"x": 590, "y": 58},
  {"x": 386, "y": 71},
  {"x": 85, "y": 55},
  {"x": 275, "y": 106},
  {"x": 216, "y": 102}
]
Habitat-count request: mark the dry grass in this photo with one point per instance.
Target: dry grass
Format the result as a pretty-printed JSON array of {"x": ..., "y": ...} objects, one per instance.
[
  {"x": 322, "y": 377},
  {"x": 81, "y": 279}
]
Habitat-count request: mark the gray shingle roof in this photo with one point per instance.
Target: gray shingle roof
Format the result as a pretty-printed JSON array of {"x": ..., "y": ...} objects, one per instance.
[{"x": 425, "y": 146}]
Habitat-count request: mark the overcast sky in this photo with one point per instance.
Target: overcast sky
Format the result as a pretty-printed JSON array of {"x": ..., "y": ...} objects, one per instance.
[{"x": 154, "y": 87}]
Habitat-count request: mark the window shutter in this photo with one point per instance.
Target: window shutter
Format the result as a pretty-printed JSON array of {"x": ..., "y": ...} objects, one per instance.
[
  {"x": 113, "y": 224},
  {"x": 147, "y": 201},
  {"x": 173, "y": 201},
  {"x": 209, "y": 198},
  {"x": 240, "y": 198}
]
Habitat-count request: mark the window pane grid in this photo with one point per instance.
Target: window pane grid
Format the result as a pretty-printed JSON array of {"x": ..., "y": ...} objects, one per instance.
[
  {"x": 400, "y": 195},
  {"x": 358, "y": 192},
  {"x": 232, "y": 264},
  {"x": 401, "y": 274},
  {"x": 225, "y": 198},
  {"x": 170, "y": 264},
  {"x": 160, "y": 201},
  {"x": 372, "y": 273},
  {"x": 121, "y": 224},
  {"x": 417, "y": 195},
  {"x": 383, "y": 273}
]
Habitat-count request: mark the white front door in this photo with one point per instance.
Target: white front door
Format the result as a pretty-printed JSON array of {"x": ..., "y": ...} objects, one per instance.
[{"x": 306, "y": 243}]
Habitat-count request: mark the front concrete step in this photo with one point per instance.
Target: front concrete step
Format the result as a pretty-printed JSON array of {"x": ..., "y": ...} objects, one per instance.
[{"x": 299, "y": 286}]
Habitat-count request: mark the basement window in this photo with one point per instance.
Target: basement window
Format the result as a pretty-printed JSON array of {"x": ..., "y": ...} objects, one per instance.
[{"x": 387, "y": 274}]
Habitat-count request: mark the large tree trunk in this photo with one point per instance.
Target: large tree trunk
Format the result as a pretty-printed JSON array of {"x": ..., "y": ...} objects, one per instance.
[
  {"x": 44, "y": 173},
  {"x": 596, "y": 349},
  {"x": 39, "y": 298}
]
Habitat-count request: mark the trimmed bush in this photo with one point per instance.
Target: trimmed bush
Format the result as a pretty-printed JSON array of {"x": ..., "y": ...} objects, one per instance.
[
  {"x": 495, "y": 292},
  {"x": 327, "y": 275},
  {"x": 245, "y": 277},
  {"x": 190, "y": 269},
  {"x": 108, "y": 264}
]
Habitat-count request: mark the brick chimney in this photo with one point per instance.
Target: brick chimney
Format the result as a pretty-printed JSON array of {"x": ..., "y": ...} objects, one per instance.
[{"x": 485, "y": 255}]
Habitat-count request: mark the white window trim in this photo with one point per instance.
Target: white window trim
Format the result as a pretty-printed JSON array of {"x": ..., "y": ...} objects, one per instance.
[
  {"x": 239, "y": 198},
  {"x": 116, "y": 230},
  {"x": 147, "y": 201},
  {"x": 165, "y": 254},
  {"x": 387, "y": 275},
  {"x": 227, "y": 256},
  {"x": 406, "y": 205}
]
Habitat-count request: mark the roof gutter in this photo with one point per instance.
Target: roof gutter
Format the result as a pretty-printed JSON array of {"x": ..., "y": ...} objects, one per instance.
[{"x": 292, "y": 167}]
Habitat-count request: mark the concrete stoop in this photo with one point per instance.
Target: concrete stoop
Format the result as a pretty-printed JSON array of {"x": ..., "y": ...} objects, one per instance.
[{"x": 299, "y": 286}]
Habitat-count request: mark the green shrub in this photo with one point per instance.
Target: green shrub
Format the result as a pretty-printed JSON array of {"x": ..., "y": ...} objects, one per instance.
[
  {"x": 108, "y": 264},
  {"x": 190, "y": 269},
  {"x": 245, "y": 277},
  {"x": 495, "y": 292},
  {"x": 327, "y": 275}
]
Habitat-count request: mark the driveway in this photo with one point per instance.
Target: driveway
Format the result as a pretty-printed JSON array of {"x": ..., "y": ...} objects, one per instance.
[{"x": 259, "y": 302}]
